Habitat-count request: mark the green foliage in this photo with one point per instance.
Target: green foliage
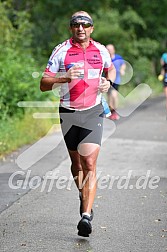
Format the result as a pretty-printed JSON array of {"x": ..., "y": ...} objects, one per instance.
[
  {"x": 107, "y": 28},
  {"x": 130, "y": 19},
  {"x": 16, "y": 64},
  {"x": 16, "y": 80},
  {"x": 142, "y": 70},
  {"x": 153, "y": 13},
  {"x": 6, "y": 28}
]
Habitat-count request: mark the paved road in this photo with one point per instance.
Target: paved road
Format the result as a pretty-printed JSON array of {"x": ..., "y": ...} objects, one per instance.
[{"x": 131, "y": 203}]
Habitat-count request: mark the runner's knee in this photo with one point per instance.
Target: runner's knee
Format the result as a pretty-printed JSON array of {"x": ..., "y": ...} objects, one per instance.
[{"x": 88, "y": 164}]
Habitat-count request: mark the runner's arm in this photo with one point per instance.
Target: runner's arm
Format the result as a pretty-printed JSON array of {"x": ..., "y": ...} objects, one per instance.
[
  {"x": 110, "y": 74},
  {"x": 107, "y": 81},
  {"x": 48, "y": 82},
  {"x": 122, "y": 69}
]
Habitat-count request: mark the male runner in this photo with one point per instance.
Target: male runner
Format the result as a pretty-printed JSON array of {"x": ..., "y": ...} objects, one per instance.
[{"x": 80, "y": 61}]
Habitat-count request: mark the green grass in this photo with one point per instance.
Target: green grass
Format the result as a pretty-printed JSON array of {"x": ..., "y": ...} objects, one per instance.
[{"x": 16, "y": 132}]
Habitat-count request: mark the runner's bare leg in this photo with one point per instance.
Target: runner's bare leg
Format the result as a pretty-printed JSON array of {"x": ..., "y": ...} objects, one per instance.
[
  {"x": 165, "y": 90},
  {"x": 84, "y": 168}
]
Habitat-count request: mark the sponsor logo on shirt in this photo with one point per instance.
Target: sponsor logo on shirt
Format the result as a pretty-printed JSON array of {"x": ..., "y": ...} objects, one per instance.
[
  {"x": 73, "y": 54},
  {"x": 50, "y": 63}
]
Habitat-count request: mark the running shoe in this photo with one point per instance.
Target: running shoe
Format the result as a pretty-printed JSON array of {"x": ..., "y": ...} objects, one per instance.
[
  {"x": 114, "y": 116},
  {"x": 84, "y": 226}
]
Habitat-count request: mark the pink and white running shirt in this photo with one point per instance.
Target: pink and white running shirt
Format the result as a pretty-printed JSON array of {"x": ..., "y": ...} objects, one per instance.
[{"x": 81, "y": 93}]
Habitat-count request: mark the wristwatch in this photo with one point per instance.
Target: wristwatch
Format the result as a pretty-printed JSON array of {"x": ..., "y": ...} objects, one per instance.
[{"x": 111, "y": 83}]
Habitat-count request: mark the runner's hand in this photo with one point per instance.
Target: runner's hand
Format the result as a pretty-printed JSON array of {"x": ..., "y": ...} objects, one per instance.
[
  {"x": 73, "y": 72},
  {"x": 104, "y": 85}
]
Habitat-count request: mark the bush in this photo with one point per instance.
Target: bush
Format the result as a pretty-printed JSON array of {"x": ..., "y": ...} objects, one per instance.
[
  {"x": 16, "y": 62},
  {"x": 17, "y": 83}
]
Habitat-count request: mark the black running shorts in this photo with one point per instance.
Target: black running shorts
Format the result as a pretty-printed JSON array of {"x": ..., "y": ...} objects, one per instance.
[
  {"x": 81, "y": 126},
  {"x": 165, "y": 80}
]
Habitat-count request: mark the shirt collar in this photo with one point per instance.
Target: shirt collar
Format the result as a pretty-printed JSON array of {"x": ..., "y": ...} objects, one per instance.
[{"x": 91, "y": 41}]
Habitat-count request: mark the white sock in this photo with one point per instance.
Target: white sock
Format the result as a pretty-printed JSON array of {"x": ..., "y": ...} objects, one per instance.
[{"x": 85, "y": 213}]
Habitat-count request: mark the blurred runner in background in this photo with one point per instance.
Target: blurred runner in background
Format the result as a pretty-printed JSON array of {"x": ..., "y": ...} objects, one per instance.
[
  {"x": 120, "y": 66},
  {"x": 163, "y": 75}
]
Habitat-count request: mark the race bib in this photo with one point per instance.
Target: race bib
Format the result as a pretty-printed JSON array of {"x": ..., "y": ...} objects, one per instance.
[{"x": 93, "y": 73}]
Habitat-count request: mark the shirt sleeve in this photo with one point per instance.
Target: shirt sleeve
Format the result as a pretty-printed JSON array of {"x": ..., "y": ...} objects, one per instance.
[
  {"x": 108, "y": 63},
  {"x": 53, "y": 64},
  {"x": 164, "y": 57}
]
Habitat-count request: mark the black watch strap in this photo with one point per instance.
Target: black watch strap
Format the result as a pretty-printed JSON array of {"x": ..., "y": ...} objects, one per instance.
[{"x": 111, "y": 83}]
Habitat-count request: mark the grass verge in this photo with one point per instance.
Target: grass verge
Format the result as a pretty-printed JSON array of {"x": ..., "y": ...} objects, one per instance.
[{"x": 16, "y": 132}]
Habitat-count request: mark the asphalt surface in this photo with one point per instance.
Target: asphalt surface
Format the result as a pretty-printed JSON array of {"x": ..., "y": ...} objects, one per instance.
[{"x": 131, "y": 202}]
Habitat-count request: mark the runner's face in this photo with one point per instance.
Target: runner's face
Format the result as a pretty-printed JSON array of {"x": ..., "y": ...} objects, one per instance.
[{"x": 80, "y": 32}]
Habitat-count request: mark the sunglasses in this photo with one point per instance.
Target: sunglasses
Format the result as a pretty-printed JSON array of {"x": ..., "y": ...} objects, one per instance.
[{"x": 77, "y": 25}]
